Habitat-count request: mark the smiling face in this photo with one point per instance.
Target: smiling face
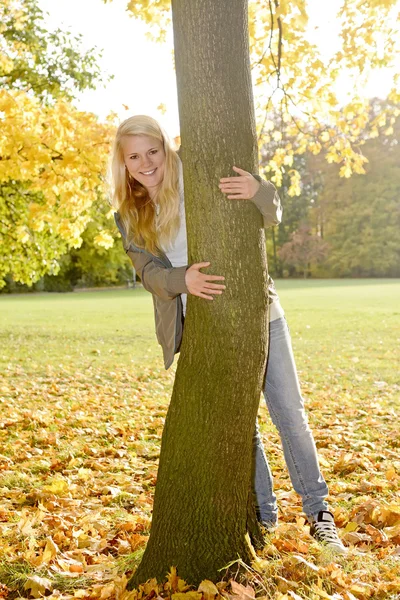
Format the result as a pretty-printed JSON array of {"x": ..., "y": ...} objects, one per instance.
[{"x": 144, "y": 157}]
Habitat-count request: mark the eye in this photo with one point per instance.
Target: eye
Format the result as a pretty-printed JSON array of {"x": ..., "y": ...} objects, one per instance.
[
  {"x": 153, "y": 151},
  {"x": 133, "y": 156}
]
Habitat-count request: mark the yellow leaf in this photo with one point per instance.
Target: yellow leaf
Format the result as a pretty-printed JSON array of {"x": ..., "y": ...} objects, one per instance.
[
  {"x": 150, "y": 587},
  {"x": 25, "y": 524},
  {"x": 107, "y": 591},
  {"x": 351, "y": 526},
  {"x": 37, "y": 585},
  {"x": 50, "y": 551},
  {"x": 187, "y": 596},
  {"x": 345, "y": 171},
  {"x": 172, "y": 580},
  {"x": 58, "y": 487},
  {"x": 361, "y": 590},
  {"x": 390, "y": 474},
  {"x": 104, "y": 239},
  {"x": 208, "y": 588}
]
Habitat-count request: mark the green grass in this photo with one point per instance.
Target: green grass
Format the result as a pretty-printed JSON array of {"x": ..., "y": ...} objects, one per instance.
[
  {"x": 15, "y": 575},
  {"x": 85, "y": 328},
  {"x": 339, "y": 328},
  {"x": 82, "y": 404}
]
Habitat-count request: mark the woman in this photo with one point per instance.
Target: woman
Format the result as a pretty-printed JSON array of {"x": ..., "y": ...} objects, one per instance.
[{"x": 148, "y": 197}]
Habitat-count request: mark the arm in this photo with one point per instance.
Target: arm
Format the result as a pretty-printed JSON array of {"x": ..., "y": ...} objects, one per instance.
[
  {"x": 268, "y": 202},
  {"x": 162, "y": 281},
  {"x": 262, "y": 193},
  {"x": 266, "y": 198},
  {"x": 168, "y": 282}
]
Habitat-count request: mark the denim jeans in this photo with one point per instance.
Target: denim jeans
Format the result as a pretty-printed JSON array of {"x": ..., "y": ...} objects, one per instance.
[{"x": 286, "y": 407}]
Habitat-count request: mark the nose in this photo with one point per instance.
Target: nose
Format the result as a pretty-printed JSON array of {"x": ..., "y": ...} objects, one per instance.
[{"x": 147, "y": 165}]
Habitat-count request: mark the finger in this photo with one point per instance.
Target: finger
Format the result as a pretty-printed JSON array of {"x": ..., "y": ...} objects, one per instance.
[
  {"x": 240, "y": 171},
  {"x": 238, "y": 197},
  {"x": 231, "y": 179},
  {"x": 207, "y": 290},
  {"x": 214, "y": 286},
  {"x": 200, "y": 265},
  {"x": 240, "y": 189},
  {"x": 201, "y": 295},
  {"x": 232, "y": 186},
  {"x": 213, "y": 277}
]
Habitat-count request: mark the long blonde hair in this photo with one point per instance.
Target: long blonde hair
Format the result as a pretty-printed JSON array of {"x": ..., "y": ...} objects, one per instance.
[{"x": 143, "y": 226}]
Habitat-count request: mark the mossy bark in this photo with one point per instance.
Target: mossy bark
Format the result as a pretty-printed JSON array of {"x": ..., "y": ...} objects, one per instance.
[{"x": 200, "y": 516}]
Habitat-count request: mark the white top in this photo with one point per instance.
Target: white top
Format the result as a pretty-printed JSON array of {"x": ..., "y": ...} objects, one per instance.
[{"x": 178, "y": 254}]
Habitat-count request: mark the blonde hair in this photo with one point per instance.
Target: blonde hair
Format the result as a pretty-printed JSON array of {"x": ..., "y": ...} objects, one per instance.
[{"x": 143, "y": 226}]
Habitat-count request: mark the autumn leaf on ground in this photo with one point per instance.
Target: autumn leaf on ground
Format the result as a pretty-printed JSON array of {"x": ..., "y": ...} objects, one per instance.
[{"x": 37, "y": 586}]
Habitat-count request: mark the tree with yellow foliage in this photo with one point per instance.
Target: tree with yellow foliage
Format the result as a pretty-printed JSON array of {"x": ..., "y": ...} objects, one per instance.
[{"x": 52, "y": 156}]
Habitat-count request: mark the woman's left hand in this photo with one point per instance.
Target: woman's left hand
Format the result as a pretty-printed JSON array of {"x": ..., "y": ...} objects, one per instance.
[{"x": 242, "y": 187}]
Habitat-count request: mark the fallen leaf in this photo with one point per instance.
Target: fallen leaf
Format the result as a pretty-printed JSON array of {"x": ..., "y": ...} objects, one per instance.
[
  {"x": 58, "y": 487},
  {"x": 107, "y": 591},
  {"x": 241, "y": 591},
  {"x": 361, "y": 590},
  {"x": 50, "y": 551},
  {"x": 187, "y": 596},
  {"x": 37, "y": 585},
  {"x": 208, "y": 589},
  {"x": 351, "y": 526}
]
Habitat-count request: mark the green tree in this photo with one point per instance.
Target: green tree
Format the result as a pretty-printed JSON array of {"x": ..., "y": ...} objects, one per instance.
[
  {"x": 92, "y": 264},
  {"x": 296, "y": 207},
  {"x": 203, "y": 498},
  {"x": 52, "y": 156},
  {"x": 45, "y": 63},
  {"x": 360, "y": 216}
]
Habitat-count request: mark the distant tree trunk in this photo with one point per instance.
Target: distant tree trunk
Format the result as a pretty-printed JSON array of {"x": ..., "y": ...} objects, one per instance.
[{"x": 201, "y": 515}]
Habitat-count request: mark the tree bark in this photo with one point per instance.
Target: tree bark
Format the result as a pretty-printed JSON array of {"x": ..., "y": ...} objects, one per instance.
[
  {"x": 200, "y": 516},
  {"x": 274, "y": 250}
]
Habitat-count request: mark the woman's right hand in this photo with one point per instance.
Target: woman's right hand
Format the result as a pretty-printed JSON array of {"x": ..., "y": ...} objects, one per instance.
[{"x": 199, "y": 284}]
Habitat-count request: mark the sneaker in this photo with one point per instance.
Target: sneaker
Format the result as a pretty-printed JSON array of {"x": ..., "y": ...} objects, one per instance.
[
  {"x": 323, "y": 529},
  {"x": 268, "y": 526}
]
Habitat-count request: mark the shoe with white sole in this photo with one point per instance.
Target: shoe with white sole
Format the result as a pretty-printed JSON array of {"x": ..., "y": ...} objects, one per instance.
[
  {"x": 323, "y": 529},
  {"x": 268, "y": 526}
]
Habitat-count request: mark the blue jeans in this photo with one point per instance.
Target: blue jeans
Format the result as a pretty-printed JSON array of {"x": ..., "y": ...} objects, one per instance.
[{"x": 286, "y": 407}]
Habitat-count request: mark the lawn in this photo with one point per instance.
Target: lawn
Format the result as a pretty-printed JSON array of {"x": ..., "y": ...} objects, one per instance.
[{"x": 82, "y": 405}]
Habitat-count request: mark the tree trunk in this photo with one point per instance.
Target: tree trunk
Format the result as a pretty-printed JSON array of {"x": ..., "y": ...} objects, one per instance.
[
  {"x": 274, "y": 250},
  {"x": 200, "y": 516}
]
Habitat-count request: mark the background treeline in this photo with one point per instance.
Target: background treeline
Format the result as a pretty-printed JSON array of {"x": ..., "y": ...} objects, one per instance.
[{"x": 341, "y": 227}]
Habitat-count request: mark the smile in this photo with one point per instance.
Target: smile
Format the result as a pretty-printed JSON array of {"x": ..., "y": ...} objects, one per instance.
[{"x": 149, "y": 172}]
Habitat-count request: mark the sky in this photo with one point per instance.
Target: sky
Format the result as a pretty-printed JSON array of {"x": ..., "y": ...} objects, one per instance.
[{"x": 132, "y": 58}]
